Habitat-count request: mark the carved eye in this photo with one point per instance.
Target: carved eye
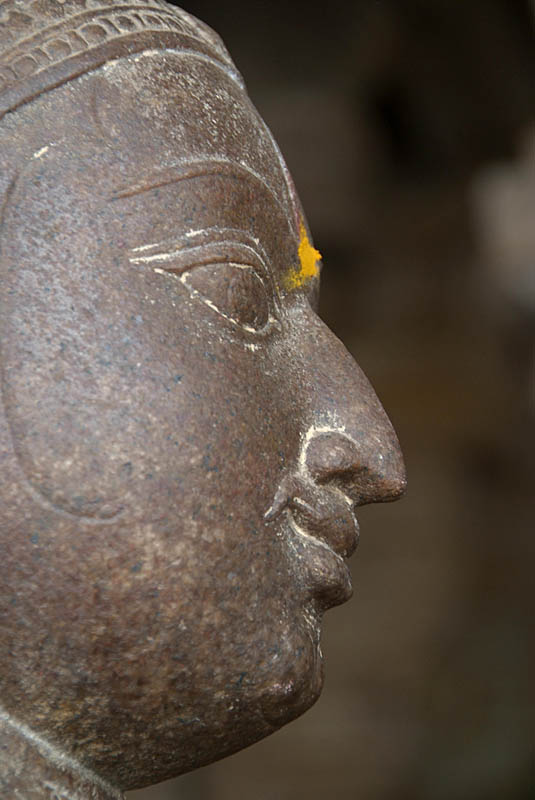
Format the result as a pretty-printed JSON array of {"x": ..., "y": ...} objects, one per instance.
[
  {"x": 235, "y": 291},
  {"x": 229, "y": 275}
]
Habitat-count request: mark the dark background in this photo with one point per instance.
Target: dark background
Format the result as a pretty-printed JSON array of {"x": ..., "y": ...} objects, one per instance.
[{"x": 409, "y": 128}]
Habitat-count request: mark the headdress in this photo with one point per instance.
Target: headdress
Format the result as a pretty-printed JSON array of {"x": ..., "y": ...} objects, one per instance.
[{"x": 45, "y": 43}]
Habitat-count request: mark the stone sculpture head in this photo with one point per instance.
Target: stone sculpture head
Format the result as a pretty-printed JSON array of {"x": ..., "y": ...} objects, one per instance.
[{"x": 182, "y": 440}]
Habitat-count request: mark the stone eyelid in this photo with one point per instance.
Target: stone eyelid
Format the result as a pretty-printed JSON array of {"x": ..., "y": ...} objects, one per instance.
[
  {"x": 195, "y": 241},
  {"x": 184, "y": 259}
]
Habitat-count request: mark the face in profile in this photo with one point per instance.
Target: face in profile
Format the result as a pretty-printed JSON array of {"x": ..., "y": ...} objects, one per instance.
[{"x": 187, "y": 441}]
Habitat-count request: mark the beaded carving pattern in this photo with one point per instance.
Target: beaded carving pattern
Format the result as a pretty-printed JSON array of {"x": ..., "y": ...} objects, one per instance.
[{"x": 38, "y": 35}]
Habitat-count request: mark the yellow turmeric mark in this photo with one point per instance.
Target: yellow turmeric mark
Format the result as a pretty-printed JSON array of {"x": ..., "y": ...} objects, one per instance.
[{"x": 308, "y": 259}]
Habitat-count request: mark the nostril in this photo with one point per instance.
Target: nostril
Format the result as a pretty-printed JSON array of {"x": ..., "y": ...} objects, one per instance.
[
  {"x": 370, "y": 472},
  {"x": 332, "y": 455}
]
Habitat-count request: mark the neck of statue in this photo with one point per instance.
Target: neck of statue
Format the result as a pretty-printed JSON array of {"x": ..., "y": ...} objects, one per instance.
[{"x": 32, "y": 769}]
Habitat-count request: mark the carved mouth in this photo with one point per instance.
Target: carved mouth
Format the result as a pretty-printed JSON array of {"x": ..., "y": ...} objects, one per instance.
[
  {"x": 325, "y": 573},
  {"x": 323, "y": 533}
]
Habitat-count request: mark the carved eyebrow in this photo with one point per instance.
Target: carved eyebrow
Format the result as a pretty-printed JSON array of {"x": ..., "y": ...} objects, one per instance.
[
  {"x": 194, "y": 240},
  {"x": 192, "y": 170},
  {"x": 196, "y": 244}
]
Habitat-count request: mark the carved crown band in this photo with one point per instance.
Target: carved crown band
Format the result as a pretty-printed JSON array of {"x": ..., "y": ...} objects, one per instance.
[{"x": 45, "y": 43}]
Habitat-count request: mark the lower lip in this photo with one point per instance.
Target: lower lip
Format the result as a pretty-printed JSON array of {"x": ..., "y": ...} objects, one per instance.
[{"x": 326, "y": 574}]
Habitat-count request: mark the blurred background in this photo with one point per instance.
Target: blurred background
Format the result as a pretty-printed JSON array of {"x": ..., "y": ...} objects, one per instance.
[{"x": 409, "y": 127}]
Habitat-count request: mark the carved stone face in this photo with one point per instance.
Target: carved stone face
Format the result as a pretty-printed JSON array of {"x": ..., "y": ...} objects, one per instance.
[{"x": 185, "y": 441}]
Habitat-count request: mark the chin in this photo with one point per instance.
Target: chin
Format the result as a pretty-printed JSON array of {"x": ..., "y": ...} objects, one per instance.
[{"x": 299, "y": 685}]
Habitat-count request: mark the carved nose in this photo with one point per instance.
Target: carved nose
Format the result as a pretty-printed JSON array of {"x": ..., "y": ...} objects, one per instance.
[{"x": 369, "y": 471}]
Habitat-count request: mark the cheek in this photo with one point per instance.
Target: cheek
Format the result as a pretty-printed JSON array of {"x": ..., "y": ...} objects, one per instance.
[
  {"x": 225, "y": 582},
  {"x": 141, "y": 407},
  {"x": 206, "y": 504}
]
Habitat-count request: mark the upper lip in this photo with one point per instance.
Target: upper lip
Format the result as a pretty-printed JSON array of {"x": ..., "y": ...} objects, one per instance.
[{"x": 323, "y": 512}]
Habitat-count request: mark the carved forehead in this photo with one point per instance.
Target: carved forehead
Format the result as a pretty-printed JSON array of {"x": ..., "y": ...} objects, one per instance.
[
  {"x": 145, "y": 123},
  {"x": 160, "y": 109}
]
